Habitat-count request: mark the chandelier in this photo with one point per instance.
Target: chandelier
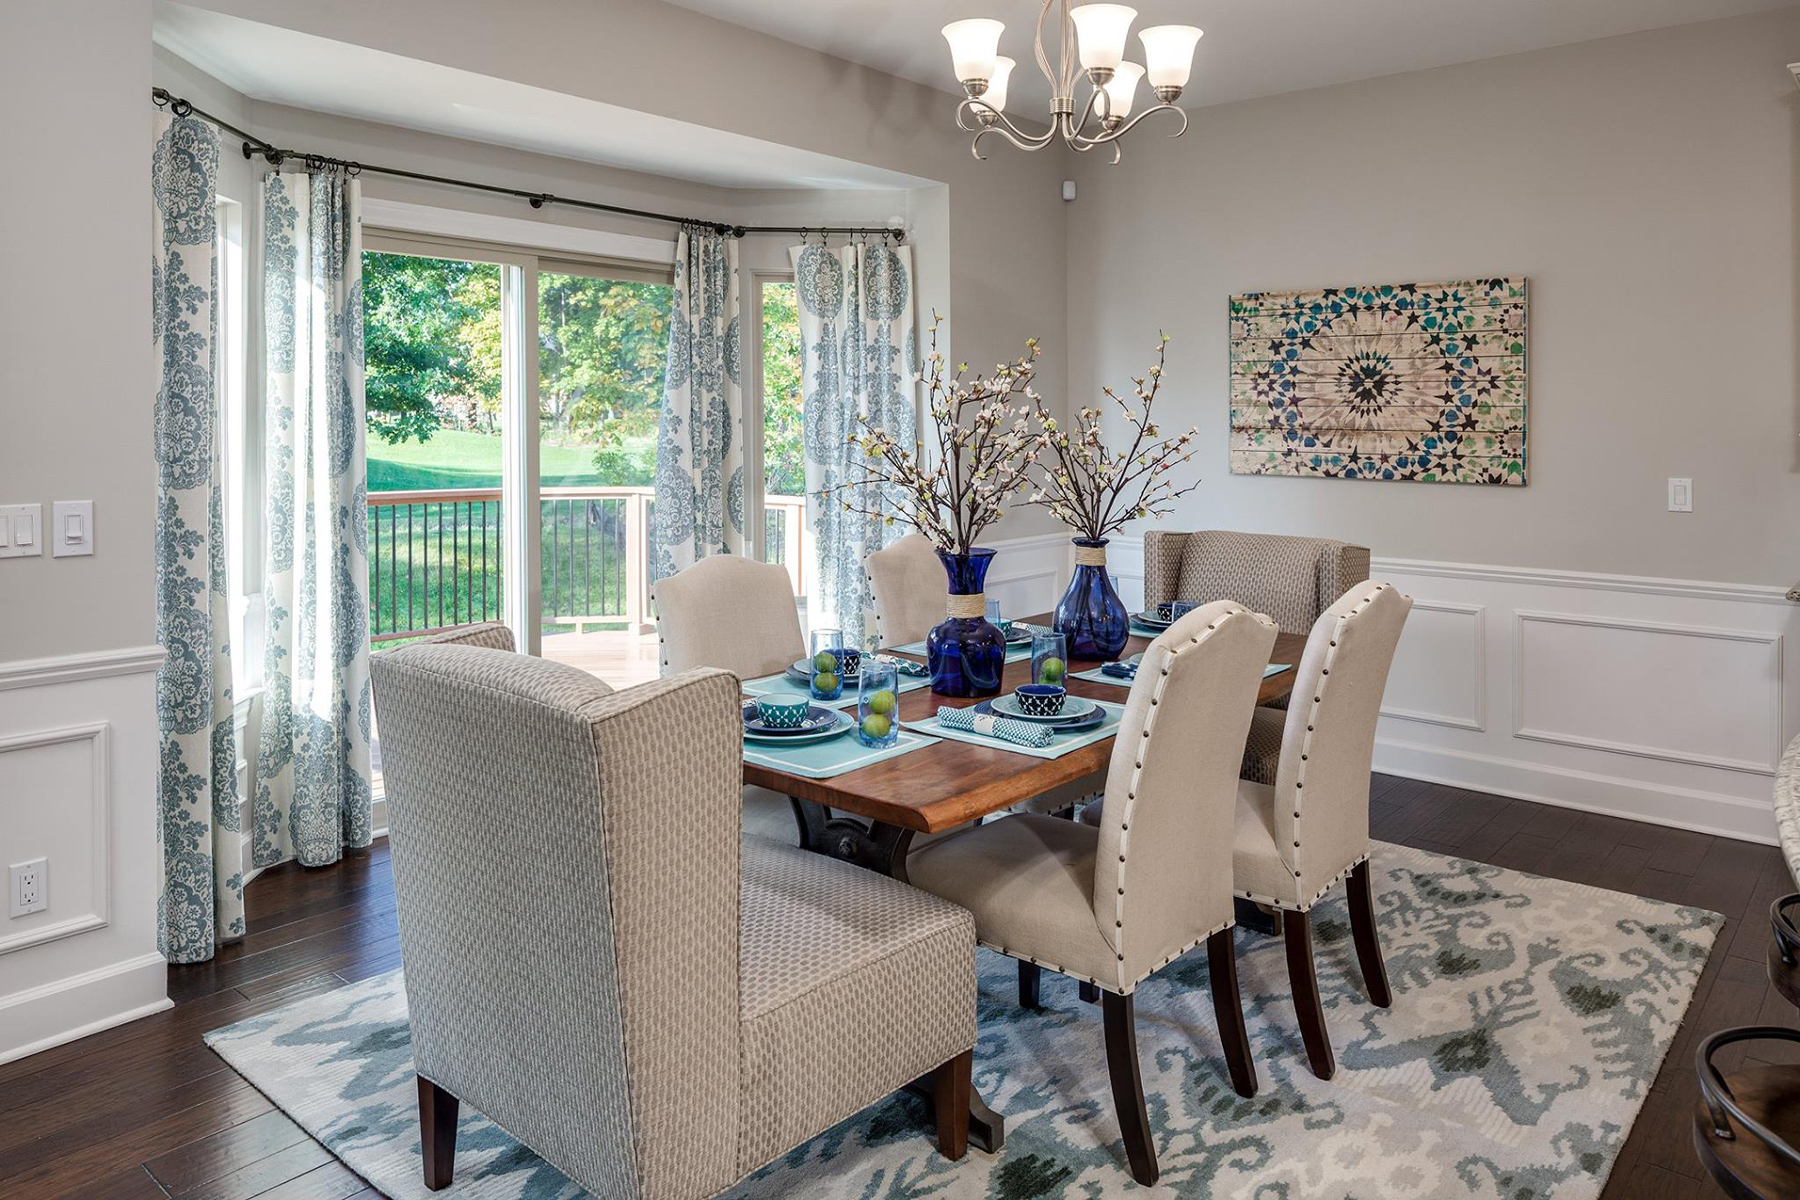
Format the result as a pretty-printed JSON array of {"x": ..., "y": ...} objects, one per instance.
[{"x": 1092, "y": 35}]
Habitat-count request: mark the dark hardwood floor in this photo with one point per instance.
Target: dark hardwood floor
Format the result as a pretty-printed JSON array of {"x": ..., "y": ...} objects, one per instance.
[{"x": 147, "y": 1111}]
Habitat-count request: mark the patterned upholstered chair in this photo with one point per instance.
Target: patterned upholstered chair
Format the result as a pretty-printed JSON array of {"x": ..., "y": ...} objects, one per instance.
[
  {"x": 638, "y": 997},
  {"x": 1291, "y": 579},
  {"x": 1297, "y": 837},
  {"x": 1113, "y": 905}
]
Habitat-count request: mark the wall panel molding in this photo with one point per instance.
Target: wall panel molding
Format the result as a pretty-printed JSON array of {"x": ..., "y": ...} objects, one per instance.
[
  {"x": 1477, "y": 720},
  {"x": 71, "y": 668},
  {"x": 1772, "y": 717},
  {"x": 98, "y": 737}
]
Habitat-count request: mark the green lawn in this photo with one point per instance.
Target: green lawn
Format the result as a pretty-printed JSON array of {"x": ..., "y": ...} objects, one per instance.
[{"x": 457, "y": 458}]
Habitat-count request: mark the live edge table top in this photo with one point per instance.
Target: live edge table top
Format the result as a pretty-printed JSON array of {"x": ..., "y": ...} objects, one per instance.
[{"x": 949, "y": 782}]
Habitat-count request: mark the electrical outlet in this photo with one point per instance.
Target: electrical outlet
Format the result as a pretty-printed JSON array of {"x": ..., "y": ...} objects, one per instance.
[{"x": 29, "y": 890}]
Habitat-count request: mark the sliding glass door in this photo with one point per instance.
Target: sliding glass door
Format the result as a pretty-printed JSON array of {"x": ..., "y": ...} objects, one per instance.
[{"x": 513, "y": 404}]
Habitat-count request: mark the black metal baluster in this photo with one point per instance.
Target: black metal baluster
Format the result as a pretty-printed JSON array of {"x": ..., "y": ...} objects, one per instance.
[
  {"x": 455, "y": 563},
  {"x": 484, "y": 571},
  {"x": 409, "y": 569},
  {"x": 438, "y": 590},
  {"x": 587, "y": 555}
]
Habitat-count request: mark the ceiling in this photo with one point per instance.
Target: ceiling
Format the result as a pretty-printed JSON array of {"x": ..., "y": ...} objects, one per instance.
[
  {"x": 282, "y": 66},
  {"x": 1251, "y": 48}
]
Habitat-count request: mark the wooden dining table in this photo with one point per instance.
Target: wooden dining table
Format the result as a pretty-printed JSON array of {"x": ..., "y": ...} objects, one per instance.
[{"x": 870, "y": 816}]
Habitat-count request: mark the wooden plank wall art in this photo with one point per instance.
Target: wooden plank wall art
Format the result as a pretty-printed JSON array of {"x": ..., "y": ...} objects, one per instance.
[{"x": 1419, "y": 381}]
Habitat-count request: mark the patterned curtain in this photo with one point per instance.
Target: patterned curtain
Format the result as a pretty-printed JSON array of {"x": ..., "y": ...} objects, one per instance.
[
  {"x": 202, "y": 900},
  {"x": 313, "y": 795},
  {"x": 700, "y": 441},
  {"x": 858, "y": 355}
]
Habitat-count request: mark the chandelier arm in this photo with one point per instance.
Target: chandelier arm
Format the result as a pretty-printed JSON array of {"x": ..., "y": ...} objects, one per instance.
[
  {"x": 1002, "y": 124},
  {"x": 1043, "y": 59},
  {"x": 1115, "y": 134}
]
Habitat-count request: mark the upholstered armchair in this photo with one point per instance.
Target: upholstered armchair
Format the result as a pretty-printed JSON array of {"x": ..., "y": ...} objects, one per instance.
[
  {"x": 730, "y": 612},
  {"x": 598, "y": 961},
  {"x": 907, "y": 581},
  {"x": 1297, "y": 837},
  {"x": 1113, "y": 904},
  {"x": 1290, "y": 579}
]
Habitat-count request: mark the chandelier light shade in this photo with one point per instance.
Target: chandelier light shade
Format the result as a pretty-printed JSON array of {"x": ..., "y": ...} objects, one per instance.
[
  {"x": 974, "y": 45},
  {"x": 995, "y": 96},
  {"x": 1169, "y": 55},
  {"x": 1090, "y": 42},
  {"x": 1121, "y": 90}
]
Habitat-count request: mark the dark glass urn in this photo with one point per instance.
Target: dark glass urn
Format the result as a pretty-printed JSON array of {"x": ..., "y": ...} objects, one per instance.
[
  {"x": 966, "y": 653},
  {"x": 1090, "y": 614}
]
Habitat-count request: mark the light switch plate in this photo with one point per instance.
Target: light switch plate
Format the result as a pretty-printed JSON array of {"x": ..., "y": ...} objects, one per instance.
[
  {"x": 72, "y": 527},
  {"x": 1681, "y": 495},
  {"x": 24, "y": 536}
]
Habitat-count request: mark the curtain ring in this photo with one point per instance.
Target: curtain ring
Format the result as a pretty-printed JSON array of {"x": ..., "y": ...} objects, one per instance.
[{"x": 181, "y": 108}]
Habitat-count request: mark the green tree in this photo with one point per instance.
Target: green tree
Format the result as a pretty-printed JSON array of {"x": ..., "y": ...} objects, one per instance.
[
  {"x": 420, "y": 320},
  {"x": 784, "y": 463},
  {"x": 602, "y": 348}
]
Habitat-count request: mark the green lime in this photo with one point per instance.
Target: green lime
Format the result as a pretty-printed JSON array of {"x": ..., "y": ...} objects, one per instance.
[
  {"x": 825, "y": 681},
  {"x": 824, "y": 660},
  {"x": 1051, "y": 671},
  {"x": 882, "y": 702},
  {"x": 876, "y": 726}
]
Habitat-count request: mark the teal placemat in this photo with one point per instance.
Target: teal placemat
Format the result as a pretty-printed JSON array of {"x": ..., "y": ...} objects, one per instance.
[
  {"x": 1056, "y": 749},
  {"x": 1013, "y": 653},
  {"x": 1096, "y": 675},
  {"x": 786, "y": 683},
  {"x": 822, "y": 760}
]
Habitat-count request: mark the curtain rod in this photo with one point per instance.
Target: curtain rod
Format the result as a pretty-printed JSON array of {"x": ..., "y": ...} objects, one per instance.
[{"x": 275, "y": 156}]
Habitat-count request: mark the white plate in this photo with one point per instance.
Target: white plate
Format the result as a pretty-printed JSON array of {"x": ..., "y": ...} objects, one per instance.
[
  {"x": 1074, "y": 709},
  {"x": 1150, "y": 621}
]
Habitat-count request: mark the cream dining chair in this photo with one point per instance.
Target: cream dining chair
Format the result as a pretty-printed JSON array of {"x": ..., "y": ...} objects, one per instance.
[
  {"x": 737, "y": 614},
  {"x": 1299, "y": 836},
  {"x": 1113, "y": 905}
]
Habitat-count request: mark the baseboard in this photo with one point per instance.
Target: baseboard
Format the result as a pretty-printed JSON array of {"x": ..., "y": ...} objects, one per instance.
[{"x": 72, "y": 1008}]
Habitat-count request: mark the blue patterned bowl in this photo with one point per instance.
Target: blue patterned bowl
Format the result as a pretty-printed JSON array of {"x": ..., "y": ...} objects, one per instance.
[
  {"x": 849, "y": 662},
  {"x": 1040, "y": 699},
  {"x": 782, "y": 711}
]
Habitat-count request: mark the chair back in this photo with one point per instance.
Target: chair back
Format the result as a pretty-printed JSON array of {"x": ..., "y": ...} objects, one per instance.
[
  {"x": 489, "y": 634},
  {"x": 907, "y": 581},
  {"x": 730, "y": 612},
  {"x": 1322, "y": 784},
  {"x": 1290, "y": 579},
  {"x": 566, "y": 875},
  {"x": 1162, "y": 880}
]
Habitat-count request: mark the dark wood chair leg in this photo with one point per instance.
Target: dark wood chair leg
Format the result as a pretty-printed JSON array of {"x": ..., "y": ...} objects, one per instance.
[
  {"x": 950, "y": 1091},
  {"x": 1367, "y": 937},
  {"x": 1088, "y": 993},
  {"x": 1030, "y": 977},
  {"x": 1297, "y": 933},
  {"x": 1128, "y": 1086},
  {"x": 437, "y": 1133},
  {"x": 1228, "y": 1009}
]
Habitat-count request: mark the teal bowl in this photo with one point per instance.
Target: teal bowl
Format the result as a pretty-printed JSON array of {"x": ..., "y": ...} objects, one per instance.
[{"x": 782, "y": 712}]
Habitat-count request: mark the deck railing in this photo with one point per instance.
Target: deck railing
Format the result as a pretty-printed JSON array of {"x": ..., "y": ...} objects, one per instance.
[{"x": 435, "y": 556}]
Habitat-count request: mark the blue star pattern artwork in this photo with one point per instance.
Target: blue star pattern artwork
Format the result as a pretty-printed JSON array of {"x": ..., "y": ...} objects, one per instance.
[{"x": 1414, "y": 381}]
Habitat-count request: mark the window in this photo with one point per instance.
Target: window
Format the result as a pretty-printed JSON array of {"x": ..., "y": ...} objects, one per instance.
[{"x": 782, "y": 410}]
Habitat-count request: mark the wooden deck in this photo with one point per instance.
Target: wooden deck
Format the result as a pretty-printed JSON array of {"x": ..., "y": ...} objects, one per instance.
[{"x": 620, "y": 659}]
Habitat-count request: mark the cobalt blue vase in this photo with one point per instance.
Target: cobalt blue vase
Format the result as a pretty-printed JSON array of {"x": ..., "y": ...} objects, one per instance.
[
  {"x": 1090, "y": 614},
  {"x": 966, "y": 654}
]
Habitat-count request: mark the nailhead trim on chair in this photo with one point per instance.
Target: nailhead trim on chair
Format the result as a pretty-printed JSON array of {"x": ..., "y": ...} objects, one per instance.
[
  {"x": 1305, "y": 751},
  {"x": 1293, "y": 906},
  {"x": 1131, "y": 789}
]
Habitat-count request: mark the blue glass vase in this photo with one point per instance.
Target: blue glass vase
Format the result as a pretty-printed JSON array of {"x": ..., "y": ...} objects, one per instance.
[
  {"x": 1090, "y": 614},
  {"x": 966, "y": 654}
]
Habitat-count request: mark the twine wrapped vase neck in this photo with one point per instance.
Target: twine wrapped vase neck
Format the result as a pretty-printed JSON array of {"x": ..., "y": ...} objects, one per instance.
[
  {"x": 1091, "y": 555},
  {"x": 973, "y": 605},
  {"x": 1090, "y": 614}
]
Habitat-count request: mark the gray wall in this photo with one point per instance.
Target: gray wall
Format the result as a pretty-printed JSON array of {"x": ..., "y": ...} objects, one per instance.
[
  {"x": 75, "y": 362},
  {"x": 1646, "y": 185}
]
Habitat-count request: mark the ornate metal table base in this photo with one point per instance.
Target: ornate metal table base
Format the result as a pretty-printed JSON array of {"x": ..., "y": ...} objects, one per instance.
[{"x": 882, "y": 848}]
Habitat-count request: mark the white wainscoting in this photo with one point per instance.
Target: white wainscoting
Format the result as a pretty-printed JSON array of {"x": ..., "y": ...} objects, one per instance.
[
  {"x": 78, "y": 753},
  {"x": 1664, "y": 700}
]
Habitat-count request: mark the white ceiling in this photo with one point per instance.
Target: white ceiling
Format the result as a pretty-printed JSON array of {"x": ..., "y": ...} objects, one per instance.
[
  {"x": 284, "y": 67},
  {"x": 1251, "y": 48}
]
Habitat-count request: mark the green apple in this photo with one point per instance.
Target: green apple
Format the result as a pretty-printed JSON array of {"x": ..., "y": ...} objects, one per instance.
[
  {"x": 875, "y": 726},
  {"x": 882, "y": 702},
  {"x": 825, "y": 681},
  {"x": 1051, "y": 671},
  {"x": 825, "y": 660}
]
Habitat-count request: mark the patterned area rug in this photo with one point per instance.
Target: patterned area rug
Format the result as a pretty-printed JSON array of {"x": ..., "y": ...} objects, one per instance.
[{"x": 1529, "y": 1019}]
